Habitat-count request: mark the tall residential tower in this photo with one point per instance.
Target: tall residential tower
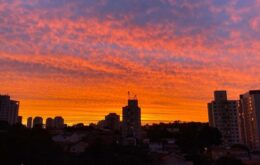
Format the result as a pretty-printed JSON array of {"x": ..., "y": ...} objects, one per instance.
[
  {"x": 223, "y": 114},
  {"x": 249, "y": 112},
  {"x": 8, "y": 109},
  {"x": 131, "y": 125}
]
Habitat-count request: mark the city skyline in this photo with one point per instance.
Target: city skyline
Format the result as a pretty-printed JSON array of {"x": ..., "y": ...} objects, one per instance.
[
  {"x": 132, "y": 97},
  {"x": 78, "y": 59}
]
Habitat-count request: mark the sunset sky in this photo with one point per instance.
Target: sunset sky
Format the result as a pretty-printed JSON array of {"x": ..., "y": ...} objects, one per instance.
[{"x": 79, "y": 58}]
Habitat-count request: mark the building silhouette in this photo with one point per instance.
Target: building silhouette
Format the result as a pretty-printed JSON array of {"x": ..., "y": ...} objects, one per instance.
[
  {"x": 223, "y": 114},
  {"x": 19, "y": 119},
  {"x": 49, "y": 124},
  {"x": 249, "y": 113},
  {"x": 38, "y": 122},
  {"x": 101, "y": 124},
  {"x": 29, "y": 122},
  {"x": 8, "y": 109},
  {"x": 131, "y": 125},
  {"x": 58, "y": 122},
  {"x": 112, "y": 121}
]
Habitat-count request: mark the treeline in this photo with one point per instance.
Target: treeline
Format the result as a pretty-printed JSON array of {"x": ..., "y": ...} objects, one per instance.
[
  {"x": 19, "y": 145},
  {"x": 22, "y": 146}
]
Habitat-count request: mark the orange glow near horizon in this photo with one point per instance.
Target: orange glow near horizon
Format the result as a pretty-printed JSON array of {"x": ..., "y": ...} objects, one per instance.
[
  {"x": 78, "y": 59},
  {"x": 74, "y": 112}
]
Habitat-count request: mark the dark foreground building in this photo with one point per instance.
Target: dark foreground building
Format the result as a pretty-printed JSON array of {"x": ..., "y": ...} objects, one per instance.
[
  {"x": 131, "y": 125},
  {"x": 112, "y": 121},
  {"x": 8, "y": 109}
]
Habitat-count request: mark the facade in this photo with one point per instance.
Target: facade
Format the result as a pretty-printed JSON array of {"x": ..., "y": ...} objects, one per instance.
[
  {"x": 8, "y": 109},
  {"x": 223, "y": 114},
  {"x": 58, "y": 122},
  {"x": 37, "y": 122},
  {"x": 112, "y": 121},
  {"x": 49, "y": 123},
  {"x": 249, "y": 112},
  {"x": 131, "y": 125}
]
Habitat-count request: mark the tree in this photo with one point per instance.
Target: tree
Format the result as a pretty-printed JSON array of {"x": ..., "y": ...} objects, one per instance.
[
  {"x": 228, "y": 161},
  {"x": 19, "y": 145},
  {"x": 209, "y": 136}
]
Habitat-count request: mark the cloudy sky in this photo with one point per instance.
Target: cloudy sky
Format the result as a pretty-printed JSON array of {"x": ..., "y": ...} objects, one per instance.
[{"x": 79, "y": 58}]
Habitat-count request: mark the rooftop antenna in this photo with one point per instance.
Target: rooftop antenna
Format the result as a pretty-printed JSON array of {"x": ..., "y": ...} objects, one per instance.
[
  {"x": 131, "y": 96},
  {"x": 135, "y": 97}
]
